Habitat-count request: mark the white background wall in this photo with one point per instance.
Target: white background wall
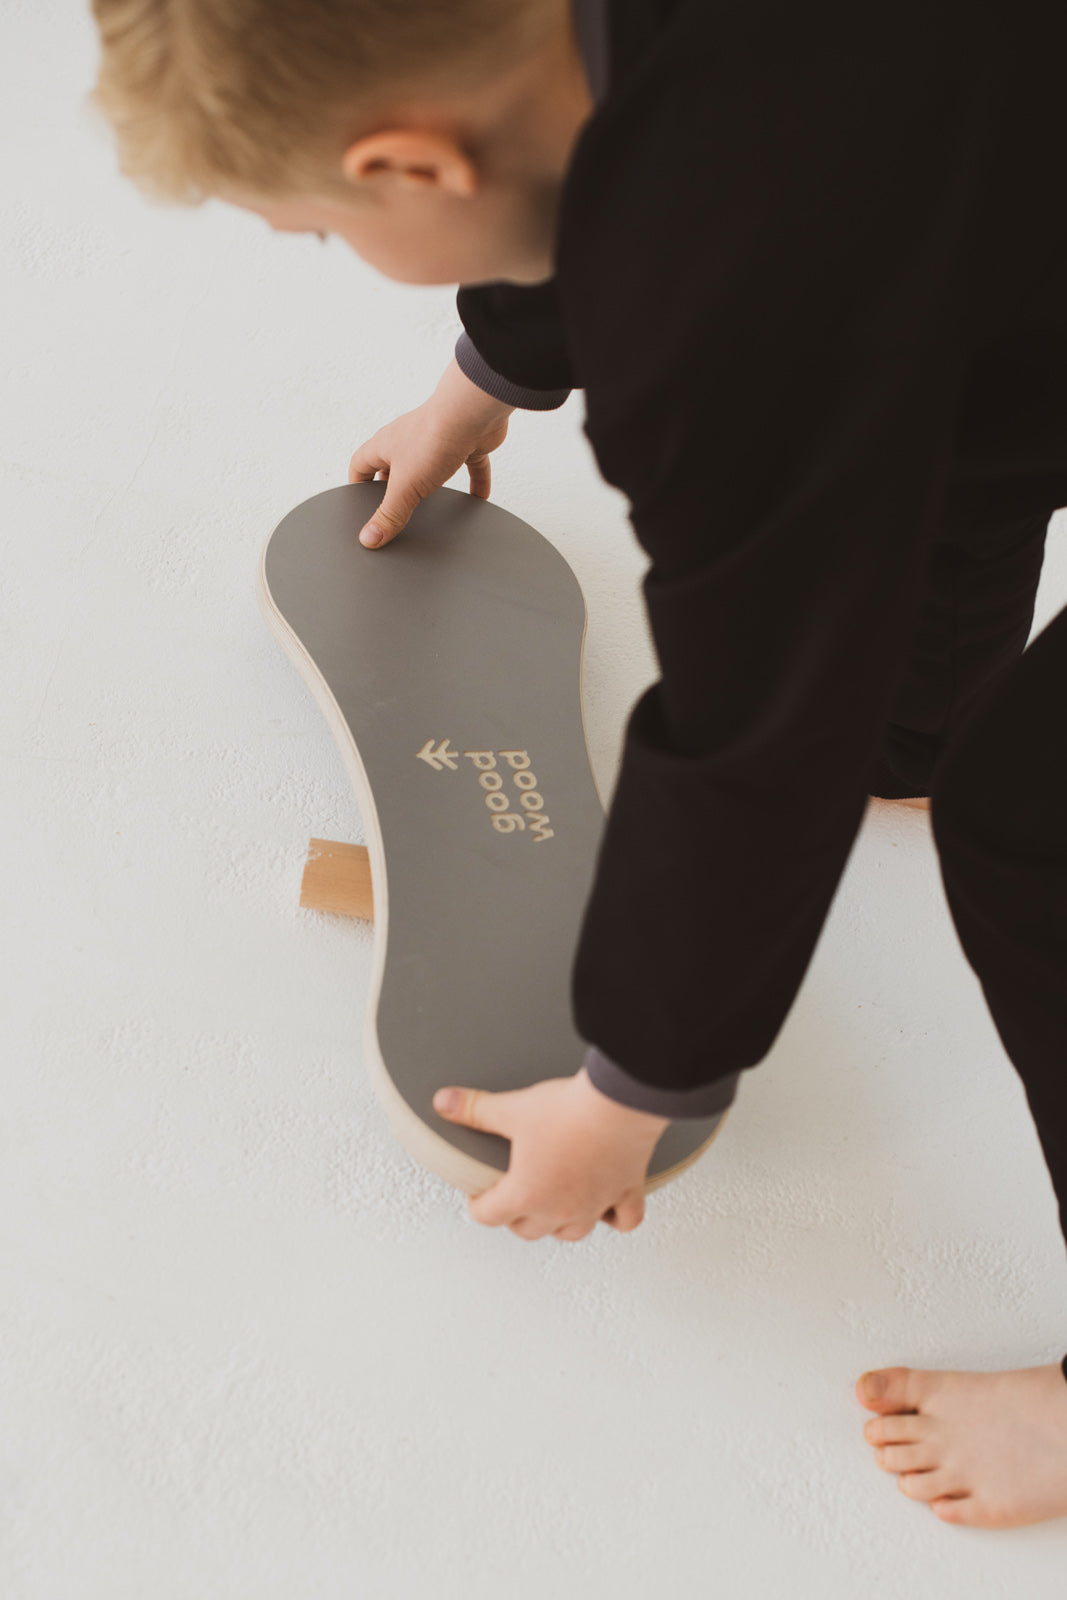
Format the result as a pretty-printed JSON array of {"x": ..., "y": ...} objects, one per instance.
[{"x": 247, "y": 1347}]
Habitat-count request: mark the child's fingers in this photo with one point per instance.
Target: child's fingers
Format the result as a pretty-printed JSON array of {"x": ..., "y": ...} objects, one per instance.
[
  {"x": 496, "y": 1207},
  {"x": 480, "y": 473},
  {"x": 627, "y": 1213},
  {"x": 574, "y": 1231},
  {"x": 393, "y": 513},
  {"x": 365, "y": 463},
  {"x": 503, "y": 1206},
  {"x": 474, "y": 1108}
]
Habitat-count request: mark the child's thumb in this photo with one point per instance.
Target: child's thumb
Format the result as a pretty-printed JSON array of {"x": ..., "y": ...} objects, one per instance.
[{"x": 475, "y": 1108}]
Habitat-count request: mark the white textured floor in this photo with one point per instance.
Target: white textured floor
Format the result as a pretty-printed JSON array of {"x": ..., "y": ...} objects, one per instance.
[{"x": 248, "y": 1350}]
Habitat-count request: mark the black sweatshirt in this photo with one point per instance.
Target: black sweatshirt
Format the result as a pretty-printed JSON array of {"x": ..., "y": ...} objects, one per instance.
[{"x": 811, "y": 273}]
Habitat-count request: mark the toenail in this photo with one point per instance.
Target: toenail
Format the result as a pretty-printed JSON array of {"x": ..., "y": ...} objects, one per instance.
[{"x": 875, "y": 1385}]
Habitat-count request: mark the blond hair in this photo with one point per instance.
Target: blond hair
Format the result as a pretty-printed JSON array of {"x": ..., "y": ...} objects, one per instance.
[{"x": 261, "y": 97}]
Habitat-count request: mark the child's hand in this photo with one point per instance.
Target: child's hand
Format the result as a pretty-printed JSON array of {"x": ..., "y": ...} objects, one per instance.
[
  {"x": 577, "y": 1157},
  {"x": 458, "y": 425}
]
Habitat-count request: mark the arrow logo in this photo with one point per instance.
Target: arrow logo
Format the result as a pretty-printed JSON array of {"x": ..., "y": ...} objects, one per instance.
[{"x": 439, "y": 758}]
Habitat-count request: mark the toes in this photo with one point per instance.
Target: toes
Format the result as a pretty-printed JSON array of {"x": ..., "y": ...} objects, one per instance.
[
  {"x": 894, "y": 1389},
  {"x": 961, "y": 1509},
  {"x": 906, "y": 1457},
  {"x": 898, "y": 1427},
  {"x": 936, "y": 1485}
]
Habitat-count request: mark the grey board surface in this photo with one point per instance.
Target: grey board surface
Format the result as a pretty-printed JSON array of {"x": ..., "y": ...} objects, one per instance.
[{"x": 456, "y": 643}]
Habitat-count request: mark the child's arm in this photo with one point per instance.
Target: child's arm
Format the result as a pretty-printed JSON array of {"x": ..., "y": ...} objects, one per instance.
[
  {"x": 514, "y": 343},
  {"x": 784, "y": 428}
]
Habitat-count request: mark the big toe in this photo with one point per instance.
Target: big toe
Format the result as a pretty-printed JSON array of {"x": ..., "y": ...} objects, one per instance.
[{"x": 890, "y": 1389}]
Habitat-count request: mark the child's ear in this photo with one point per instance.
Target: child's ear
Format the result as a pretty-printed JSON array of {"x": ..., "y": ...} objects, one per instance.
[{"x": 414, "y": 157}]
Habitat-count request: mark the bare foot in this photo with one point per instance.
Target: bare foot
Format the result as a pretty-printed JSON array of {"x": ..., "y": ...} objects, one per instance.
[
  {"x": 985, "y": 1449},
  {"x": 920, "y": 802}
]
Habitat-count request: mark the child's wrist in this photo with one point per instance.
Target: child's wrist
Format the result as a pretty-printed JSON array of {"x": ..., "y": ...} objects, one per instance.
[{"x": 625, "y": 1117}]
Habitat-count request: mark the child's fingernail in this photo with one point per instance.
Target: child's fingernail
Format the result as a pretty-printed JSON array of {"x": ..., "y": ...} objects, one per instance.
[
  {"x": 874, "y": 1385},
  {"x": 371, "y": 535},
  {"x": 446, "y": 1100}
]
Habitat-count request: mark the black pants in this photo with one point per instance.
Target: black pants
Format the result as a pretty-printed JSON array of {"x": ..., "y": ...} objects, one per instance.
[{"x": 980, "y": 725}]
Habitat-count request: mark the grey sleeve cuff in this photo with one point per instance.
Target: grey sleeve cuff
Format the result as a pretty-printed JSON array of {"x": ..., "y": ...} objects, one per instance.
[
  {"x": 512, "y": 394},
  {"x": 705, "y": 1101}
]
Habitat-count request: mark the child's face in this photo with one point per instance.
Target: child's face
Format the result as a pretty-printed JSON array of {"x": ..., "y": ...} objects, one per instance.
[{"x": 422, "y": 232}]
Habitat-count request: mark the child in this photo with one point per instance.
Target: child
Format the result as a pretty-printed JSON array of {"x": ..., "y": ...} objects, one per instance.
[{"x": 807, "y": 264}]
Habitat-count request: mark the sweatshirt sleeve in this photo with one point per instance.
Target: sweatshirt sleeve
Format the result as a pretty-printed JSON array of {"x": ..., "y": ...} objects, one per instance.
[
  {"x": 513, "y": 344},
  {"x": 705, "y": 1100},
  {"x": 783, "y": 428}
]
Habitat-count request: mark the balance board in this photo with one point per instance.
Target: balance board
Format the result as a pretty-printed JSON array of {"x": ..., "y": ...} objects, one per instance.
[{"x": 448, "y": 667}]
